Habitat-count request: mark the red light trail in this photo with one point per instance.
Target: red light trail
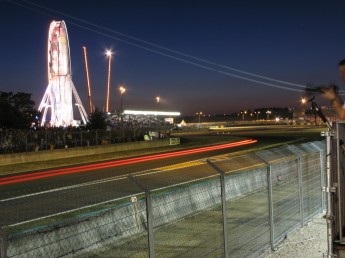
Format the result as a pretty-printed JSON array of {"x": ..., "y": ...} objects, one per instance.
[{"x": 116, "y": 163}]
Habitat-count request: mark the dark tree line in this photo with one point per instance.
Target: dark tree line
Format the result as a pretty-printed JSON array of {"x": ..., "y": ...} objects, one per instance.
[
  {"x": 17, "y": 110},
  {"x": 97, "y": 120}
]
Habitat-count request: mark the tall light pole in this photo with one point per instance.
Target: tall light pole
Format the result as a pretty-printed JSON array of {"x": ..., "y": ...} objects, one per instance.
[
  {"x": 122, "y": 90},
  {"x": 304, "y": 101},
  {"x": 158, "y": 99},
  {"x": 88, "y": 80},
  {"x": 109, "y": 54}
]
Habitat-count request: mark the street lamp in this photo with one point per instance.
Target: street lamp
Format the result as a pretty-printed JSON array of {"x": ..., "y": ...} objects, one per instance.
[
  {"x": 109, "y": 54},
  {"x": 199, "y": 114},
  {"x": 257, "y": 114},
  {"x": 268, "y": 112},
  {"x": 157, "y": 99},
  {"x": 243, "y": 113},
  {"x": 304, "y": 101},
  {"x": 122, "y": 90}
]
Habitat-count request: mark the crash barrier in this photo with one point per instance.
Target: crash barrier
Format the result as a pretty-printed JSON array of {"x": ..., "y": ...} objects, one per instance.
[{"x": 238, "y": 206}]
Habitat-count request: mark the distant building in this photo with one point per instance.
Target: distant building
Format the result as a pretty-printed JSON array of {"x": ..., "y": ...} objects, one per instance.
[{"x": 310, "y": 116}]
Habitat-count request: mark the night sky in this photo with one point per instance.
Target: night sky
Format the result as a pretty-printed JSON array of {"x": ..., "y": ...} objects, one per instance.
[{"x": 299, "y": 42}]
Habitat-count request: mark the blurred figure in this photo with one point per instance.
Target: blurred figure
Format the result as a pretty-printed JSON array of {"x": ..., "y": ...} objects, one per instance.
[{"x": 332, "y": 95}]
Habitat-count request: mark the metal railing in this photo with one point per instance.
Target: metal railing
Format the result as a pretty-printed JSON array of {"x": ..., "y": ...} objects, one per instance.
[{"x": 223, "y": 207}]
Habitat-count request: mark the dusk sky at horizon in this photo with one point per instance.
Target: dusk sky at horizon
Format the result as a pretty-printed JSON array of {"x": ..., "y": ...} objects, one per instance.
[{"x": 299, "y": 42}]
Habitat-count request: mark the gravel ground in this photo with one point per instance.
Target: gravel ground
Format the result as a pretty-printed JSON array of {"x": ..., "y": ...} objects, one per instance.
[{"x": 307, "y": 242}]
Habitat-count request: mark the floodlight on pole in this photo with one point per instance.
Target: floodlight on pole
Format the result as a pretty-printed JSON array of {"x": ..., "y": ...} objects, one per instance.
[
  {"x": 109, "y": 54},
  {"x": 158, "y": 99},
  {"x": 122, "y": 90},
  {"x": 199, "y": 114}
]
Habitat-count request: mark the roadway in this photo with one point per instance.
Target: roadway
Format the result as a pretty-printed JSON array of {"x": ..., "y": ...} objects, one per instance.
[{"x": 40, "y": 194}]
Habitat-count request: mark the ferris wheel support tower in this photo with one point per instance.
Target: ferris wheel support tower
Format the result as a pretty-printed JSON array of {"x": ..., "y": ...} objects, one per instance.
[{"x": 58, "y": 95}]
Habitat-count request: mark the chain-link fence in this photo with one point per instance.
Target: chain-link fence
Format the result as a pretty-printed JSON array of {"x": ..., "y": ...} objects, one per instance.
[{"x": 222, "y": 207}]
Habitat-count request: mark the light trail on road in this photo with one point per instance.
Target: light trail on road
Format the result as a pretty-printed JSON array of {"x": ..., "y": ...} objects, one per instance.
[{"x": 116, "y": 163}]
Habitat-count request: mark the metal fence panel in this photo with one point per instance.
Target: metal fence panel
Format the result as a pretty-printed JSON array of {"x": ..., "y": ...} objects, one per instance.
[
  {"x": 65, "y": 221},
  {"x": 311, "y": 166},
  {"x": 135, "y": 245},
  {"x": 188, "y": 223},
  {"x": 240, "y": 163},
  {"x": 311, "y": 178},
  {"x": 248, "y": 216},
  {"x": 285, "y": 190},
  {"x": 277, "y": 155}
]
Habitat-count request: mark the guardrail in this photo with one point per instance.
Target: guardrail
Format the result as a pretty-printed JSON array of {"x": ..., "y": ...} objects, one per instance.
[{"x": 223, "y": 207}]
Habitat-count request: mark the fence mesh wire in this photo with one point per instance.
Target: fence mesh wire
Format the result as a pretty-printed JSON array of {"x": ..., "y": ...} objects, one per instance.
[
  {"x": 189, "y": 223},
  {"x": 172, "y": 213}
]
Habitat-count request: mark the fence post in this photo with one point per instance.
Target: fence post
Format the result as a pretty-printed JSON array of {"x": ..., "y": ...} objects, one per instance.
[
  {"x": 329, "y": 189},
  {"x": 322, "y": 171},
  {"x": 150, "y": 224},
  {"x": 300, "y": 184},
  {"x": 301, "y": 193},
  {"x": 223, "y": 195},
  {"x": 3, "y": 244},
  {"x": 149, "y": 215},
  {"x": 270, "y": 200}
]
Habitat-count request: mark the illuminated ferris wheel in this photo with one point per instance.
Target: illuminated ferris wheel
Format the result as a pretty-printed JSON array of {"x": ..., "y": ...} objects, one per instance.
[{"x": 58, "y": 95}]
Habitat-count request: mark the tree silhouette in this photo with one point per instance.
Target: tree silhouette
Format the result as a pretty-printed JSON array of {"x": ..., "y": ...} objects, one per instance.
[
  {"x": 97, "y": 120},
  {"x": 17, "y": 110}
]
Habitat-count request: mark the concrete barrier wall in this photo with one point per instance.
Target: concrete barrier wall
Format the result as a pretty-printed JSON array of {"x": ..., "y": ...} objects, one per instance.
[{"x": 46, "y": 155}]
